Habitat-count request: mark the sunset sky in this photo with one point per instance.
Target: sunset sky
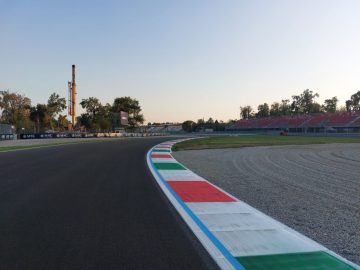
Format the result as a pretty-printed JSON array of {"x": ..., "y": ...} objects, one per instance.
[{"x": 181, "y": 59}]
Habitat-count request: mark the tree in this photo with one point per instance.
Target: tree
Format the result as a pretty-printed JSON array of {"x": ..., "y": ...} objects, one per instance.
[
  {"x": 15, "y": 109},
  {"x": 308, "y": 102},
  {"x": 210, "y": 121},
  {"x": 105, "y": 110},
  {"x": 275, "y": 109},
  {"x": 97, "y": 116},
  {"x": 103, "y": 123},
  {"x": 231, "y": 121},
  {"x": 39, "y": 114},
  {"x": 330, "y": 105},
  {"x": 285, "y": 107},
  {"x": 189, "y": 126},
  {"x": 55, "y": 105},
  {"x": 132, "y": 107},
  {"x": 219, "y": 125},
  {"x": 348, "y": 105},
  {"x": 200, "y": 122},
  {"x": 246, "y": 112},
  {"x": 62, "y": 122},
  {"x": 85, "y": 120},
  {"x": 263, "y": 110},
  {"x": 353, "y": 104},
  {"x": 316, "y": 108},
  {"x": 296, "y": 106},
  {"x": 92, "y": 105},
  {"x": 305, "y": 102}
]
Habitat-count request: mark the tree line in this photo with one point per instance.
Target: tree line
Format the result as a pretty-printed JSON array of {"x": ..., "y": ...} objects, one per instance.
[
  {"x": 17, "y": 110},
  {"x": 202, "y": 125},
  {"x": 99, "y": 117},
  {"x": 304, "y": 103}
]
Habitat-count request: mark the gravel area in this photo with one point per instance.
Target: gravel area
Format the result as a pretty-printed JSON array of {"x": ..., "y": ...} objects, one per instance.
[{"x": 314, "y": 189}]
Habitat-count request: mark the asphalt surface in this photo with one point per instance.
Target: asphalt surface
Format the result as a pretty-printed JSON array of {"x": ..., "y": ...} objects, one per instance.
[
  {"x": 314, "y": 189},
  {"x": 90, "y": 206}
]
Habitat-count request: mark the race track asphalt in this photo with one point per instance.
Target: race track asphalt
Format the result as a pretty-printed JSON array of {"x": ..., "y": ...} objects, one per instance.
[{"x": 90, "y": 206}]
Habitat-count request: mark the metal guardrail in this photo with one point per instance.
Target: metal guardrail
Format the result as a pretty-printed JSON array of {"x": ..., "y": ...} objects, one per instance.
[
  {"x": 55, "y": 135},
  {"x": 84, "y": 135}
]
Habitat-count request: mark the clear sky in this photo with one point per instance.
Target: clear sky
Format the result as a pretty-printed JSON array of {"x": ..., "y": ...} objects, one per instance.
[{"x": 184, "y": 59}]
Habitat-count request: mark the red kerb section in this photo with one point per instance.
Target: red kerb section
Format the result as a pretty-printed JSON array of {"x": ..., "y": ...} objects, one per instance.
[
  {"x": 198, "y": 191},
  {"x": 161, "y": 156}
]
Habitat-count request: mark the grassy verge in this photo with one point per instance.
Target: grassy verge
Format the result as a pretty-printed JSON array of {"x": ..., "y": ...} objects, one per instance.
[
  {"x": 257, "y": 140},
  {"x": 20, "y": 147}
]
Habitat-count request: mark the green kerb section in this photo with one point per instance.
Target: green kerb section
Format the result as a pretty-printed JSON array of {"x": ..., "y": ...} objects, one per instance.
[
  {"x": 296, "y": 261},
  {"x": 169, "y": 166},
  {"x": 161, "y": 150}
]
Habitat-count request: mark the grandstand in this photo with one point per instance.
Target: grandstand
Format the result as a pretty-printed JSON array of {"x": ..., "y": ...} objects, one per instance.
[{"x": 331, "y": 122}]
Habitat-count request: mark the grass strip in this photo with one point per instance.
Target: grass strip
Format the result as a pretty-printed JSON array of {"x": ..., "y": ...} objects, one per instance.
[
  {"x": 24, "y": 147},
  {"x": 257, "y": 140}
]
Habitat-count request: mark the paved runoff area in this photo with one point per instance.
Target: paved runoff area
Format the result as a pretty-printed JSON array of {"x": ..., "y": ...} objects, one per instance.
[
  {"x": 90, "y": 206},
  {"x": 312, "y": 189},
  {"x": 235, "y": 234}
]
